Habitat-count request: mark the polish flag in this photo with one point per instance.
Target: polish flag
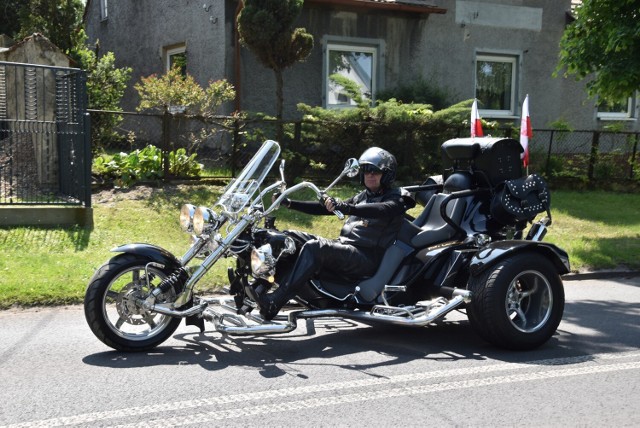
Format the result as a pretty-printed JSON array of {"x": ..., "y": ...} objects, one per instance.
[
  {"x": 525, "y": 131},
  {"x": 476, "y": 124}
]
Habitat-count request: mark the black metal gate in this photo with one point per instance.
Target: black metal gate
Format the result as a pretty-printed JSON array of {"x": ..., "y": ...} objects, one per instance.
[{"x": 45, "y": 152}]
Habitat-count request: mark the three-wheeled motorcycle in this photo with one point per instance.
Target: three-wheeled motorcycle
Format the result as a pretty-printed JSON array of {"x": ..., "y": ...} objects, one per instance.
[{"x": 476, "y": 246}]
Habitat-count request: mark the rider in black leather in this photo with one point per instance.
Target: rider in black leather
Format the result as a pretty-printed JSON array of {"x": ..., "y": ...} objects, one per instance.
[{"x": 375, "y": 217}]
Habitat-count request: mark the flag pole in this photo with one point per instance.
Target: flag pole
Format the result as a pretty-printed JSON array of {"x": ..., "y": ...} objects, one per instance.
[{"x": 525, "y": 133}]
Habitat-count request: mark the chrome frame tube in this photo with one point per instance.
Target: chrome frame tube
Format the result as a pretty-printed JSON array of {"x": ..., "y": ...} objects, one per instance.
[
  {"x": 208, "y": 262},
  {"x": 194, "y": 249},
  {"x": 420, "y": 317}
]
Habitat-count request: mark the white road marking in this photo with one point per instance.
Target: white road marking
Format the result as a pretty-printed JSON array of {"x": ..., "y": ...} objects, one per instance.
[{"x": 581, "y": 365}]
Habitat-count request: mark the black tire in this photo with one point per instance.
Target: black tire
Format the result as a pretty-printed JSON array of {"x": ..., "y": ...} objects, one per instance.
[
  {"x": 518, "y": 303},
  {"x": 110, "y": 309}
]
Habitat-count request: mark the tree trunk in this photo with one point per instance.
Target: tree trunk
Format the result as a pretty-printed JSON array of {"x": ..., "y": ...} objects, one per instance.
[{"x": 279, "y": 103}]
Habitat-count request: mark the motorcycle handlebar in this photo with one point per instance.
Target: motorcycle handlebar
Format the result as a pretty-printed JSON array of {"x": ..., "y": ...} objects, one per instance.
[{"x": 303, "y": 185}]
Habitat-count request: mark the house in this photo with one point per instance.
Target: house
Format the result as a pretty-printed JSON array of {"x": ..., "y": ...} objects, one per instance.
[{"x": 495, "y": 50}]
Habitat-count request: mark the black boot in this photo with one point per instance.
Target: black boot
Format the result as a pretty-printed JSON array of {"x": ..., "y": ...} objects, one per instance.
[{"x": 270, "y": 304}]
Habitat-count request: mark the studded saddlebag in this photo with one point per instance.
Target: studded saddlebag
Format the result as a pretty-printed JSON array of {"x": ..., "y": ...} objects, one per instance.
[{"x": 520, "y": 199}]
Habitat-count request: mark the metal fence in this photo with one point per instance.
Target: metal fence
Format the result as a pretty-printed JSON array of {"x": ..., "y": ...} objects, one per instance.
[
  {"x": 318, "y": 149},
  {"x": 591, "y": 155},
  {"x": 45, "y": 155}
]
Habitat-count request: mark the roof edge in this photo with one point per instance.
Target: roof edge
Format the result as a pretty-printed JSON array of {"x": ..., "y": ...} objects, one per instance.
[{"x": 379, "y": 5}]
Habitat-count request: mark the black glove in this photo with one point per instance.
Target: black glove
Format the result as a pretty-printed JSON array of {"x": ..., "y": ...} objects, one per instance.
[
  {"x": 341, "y": 206},
  {"x": 286, "y": 201}
]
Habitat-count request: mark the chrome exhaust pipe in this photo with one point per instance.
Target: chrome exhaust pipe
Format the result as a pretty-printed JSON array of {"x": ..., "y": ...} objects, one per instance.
[
  {"x": 401, "y": 317},
  {"x": 417, "y": 316},
  {"x": 234, "y": 324},
  {"x": 166, "y": 309}
]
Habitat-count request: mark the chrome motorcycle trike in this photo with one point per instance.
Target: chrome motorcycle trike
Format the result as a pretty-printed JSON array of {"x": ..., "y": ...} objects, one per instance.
[{"x": 469, "y": 249}]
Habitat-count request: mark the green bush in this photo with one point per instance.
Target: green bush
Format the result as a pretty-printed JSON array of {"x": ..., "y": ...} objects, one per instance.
[
  {"x": 419, "y": 91},
  {"x": 124, "y": 169},
  {"x": 412, "y": 132}
]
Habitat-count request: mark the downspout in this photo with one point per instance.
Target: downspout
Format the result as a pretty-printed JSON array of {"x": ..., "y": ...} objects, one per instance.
[{"x": 236, "y": 64}]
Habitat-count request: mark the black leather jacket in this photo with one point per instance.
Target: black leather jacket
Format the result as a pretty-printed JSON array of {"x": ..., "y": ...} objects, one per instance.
[
  {"x": 376, "y": 228},
  {"x": 374, "y": 218}
]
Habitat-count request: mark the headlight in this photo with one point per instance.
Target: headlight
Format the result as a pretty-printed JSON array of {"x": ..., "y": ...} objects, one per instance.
[
  {"x": 186, "y": 217},
  {"x": 262, "y": 262},
  {"x": 204, "y": 219}
]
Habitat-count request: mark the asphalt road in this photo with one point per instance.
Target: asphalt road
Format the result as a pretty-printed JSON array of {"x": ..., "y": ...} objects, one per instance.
[{"x": 330, "y": 373}]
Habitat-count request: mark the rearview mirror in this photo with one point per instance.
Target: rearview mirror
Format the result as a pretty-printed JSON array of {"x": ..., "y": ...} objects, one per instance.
[{"x": 351, "y": 167}]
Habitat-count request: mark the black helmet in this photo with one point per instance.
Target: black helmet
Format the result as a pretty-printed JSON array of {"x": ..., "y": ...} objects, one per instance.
[{"x": 381, "y": 160}]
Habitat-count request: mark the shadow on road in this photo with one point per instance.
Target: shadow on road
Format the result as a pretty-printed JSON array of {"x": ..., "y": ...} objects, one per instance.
[{"x": 588, "y": 327}]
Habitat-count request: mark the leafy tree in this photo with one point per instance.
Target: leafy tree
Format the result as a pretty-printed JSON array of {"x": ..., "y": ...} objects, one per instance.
[
  {"x": 106, "y": 85},
  {"x": 266, "y": 28},
  {"x": 604, "y": 41},
  {"x": 58, "y": 20},
  {"x": 351, "y": 88},
  {"x": 174, "y": 90},
  {"x": 9, "y": 17}
]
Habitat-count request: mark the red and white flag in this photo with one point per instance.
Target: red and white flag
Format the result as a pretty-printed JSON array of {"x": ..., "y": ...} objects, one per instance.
[
  {"x": 525, "y": 131},
  {"x": 476, "y": 125}
]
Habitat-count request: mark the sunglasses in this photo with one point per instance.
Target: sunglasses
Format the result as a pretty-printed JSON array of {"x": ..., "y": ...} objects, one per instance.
[{"x": 371, "y": 169}]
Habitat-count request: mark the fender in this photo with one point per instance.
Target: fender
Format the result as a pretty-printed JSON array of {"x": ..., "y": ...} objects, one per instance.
[
  {"x": 490, "y": 254},
  {"x": 152, "y": 252}
]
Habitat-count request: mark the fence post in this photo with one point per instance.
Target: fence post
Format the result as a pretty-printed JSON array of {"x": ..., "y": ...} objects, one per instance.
[
  {"x": 88, "y": 158},
  {"x": 547, "y": 167},
  {"x": 594, "y": 154},
  {"x": 236, "y": 144},
  {"x": 633, "y": 156},
  {"x": 297, "y": 134},
  {"x": 508, "y": 132},
  {"x": 166, "y": 128}
]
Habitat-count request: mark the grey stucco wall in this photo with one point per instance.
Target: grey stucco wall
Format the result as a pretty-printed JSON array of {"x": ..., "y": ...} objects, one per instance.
[
  {"x": 449, "y": 56},
  {"x": 441, "y": 47},
  {"x": 138, "y": 30}
]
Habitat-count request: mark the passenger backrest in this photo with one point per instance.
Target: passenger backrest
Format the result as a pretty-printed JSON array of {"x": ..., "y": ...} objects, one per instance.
[{"x": 434, "y": 228}]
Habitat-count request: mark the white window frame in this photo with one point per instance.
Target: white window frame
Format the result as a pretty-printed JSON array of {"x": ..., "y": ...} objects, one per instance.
[
  {"x": 629, "y": 114},
  {"x": 350, "y": 46},
  {"x": 104, "y": 12},
  {"x": 172, "y": 51},
  {"x": 514, "y": 60}
]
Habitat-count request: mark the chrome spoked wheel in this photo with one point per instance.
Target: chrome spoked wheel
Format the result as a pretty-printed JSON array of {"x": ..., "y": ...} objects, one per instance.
[
  {"x": 122, "y": 307},
  {"x": 113, "y": 304}
]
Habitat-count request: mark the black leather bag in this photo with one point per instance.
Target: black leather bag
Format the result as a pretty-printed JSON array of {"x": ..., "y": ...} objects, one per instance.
[{"x": 520, "y": 199}]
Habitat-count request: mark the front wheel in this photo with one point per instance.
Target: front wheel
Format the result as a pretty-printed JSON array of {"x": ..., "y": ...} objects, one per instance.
[
  {"x": 518, "y": 303},
  {"x": 112, "y": 309}
]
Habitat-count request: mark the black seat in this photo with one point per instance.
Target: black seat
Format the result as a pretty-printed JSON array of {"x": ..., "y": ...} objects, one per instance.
[{"x": 434, "y": 229}]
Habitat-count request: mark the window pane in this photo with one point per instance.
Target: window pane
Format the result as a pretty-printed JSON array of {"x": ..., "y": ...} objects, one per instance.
[
  {"x": 179, "y": 60},
  {"x": 354, "y": 65},
  {"x": 614, "y": 106},
  {"x": 494, "y": 86},
  {"x": 103, "y": 10}
]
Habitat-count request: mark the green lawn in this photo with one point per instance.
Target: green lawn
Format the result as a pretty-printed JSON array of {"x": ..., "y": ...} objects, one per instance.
[{"x": 52, "y": 266}]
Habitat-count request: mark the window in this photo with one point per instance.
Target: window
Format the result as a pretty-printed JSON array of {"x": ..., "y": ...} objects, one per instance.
[
  {"x": 354, "y": 62},
  {"x": 496, "y": 84},
  {"x": 176, "y": 56},
  {"x": 103, "y": 10},
  {"x": 620, "y": 110}
]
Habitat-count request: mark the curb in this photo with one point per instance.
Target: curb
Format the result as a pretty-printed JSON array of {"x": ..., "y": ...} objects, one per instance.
[{"x": 601, "y": 275}]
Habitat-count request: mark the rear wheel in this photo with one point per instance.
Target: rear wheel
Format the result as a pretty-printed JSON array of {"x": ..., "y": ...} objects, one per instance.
[
  {"x": 518, "y": 303},
  {"x": 112, "y": 304}
]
